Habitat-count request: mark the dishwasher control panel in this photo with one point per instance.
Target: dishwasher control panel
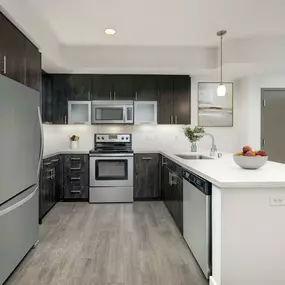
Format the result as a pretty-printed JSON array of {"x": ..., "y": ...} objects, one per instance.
[{"x": 199, "y": 182}]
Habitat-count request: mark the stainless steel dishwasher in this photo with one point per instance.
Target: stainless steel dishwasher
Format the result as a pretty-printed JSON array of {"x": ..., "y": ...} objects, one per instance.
[{"x": 197, "y": 219}]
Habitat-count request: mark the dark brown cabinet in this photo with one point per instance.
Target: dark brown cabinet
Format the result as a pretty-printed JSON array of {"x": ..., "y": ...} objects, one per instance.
[
  {"x": 146, "y": 87},
  {"x": 101, "y": 87},
  {"x": 123, "y": 87},
  {"x": 33, "y": 66},
  {"x": 146, "y": 176},
  {"x": 80, "y": 87},
  {"x": 49, "y": 185},
  {"x": 174, "y": 100},
  {"x": 173, "y": 191},
  {"x": 76, "y": 177},
  {"x": 20, "y": 60},
  {"x": 59, "y": 98},
  {"x": 165, "y": 100}
]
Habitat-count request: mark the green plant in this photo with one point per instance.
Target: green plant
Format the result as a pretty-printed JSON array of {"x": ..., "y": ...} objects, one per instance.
[
  {"x": 74, "y": 138},
  {"x": 193, "y": 135}
]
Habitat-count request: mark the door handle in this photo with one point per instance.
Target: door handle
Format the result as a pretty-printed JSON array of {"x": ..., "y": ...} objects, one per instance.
[
  {"x": 18, "y": 204},
  {"x": 147, "y": 158},
  {"x": 75, "y": 191},
  {"x": 42, "y": 142},
  {"x": 4, "y": 64}
]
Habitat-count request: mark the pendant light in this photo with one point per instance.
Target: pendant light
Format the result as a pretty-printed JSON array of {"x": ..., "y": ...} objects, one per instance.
[{"x": 221, "y": 90}]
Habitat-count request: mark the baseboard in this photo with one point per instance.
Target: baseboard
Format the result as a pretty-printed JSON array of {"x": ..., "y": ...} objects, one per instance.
[{"x": 212, "y": 281}]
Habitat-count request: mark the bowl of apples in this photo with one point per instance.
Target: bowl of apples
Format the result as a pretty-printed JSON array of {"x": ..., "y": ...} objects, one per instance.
[{"x": 250, "y": 159}]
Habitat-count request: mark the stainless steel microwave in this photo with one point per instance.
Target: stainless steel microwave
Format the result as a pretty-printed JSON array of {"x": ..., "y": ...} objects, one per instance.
[{"x": 112, "y": 112}]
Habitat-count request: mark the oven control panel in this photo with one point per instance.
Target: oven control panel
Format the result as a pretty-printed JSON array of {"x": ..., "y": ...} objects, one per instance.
[{"x": 113, "y": 137}]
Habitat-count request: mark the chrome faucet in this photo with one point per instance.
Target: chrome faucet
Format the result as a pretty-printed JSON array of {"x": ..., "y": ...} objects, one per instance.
[{"x": 213, "y": 151}]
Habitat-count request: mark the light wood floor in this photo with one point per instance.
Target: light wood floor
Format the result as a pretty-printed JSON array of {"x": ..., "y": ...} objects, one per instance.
[{"x": 114, "y": 244}]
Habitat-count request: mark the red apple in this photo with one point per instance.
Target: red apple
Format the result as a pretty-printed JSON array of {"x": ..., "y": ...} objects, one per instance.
[
  {"x": 246, "y": 148},
  {"x": 249, "y": 153},
  {"x": 261, "y": 153}
]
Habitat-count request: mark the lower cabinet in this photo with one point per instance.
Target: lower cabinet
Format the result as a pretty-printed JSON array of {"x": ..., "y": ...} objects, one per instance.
[
  {"x": 146, "y": 176},
  {"x": 76, "y": 177},
  {"x": 172, "y": 187},
  {"x": 49, "y": 185}
]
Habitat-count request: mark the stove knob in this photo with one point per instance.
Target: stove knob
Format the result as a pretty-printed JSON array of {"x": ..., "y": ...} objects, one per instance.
[
  {"x": 98, "y": 138},
  {"x": 102, "y": 138},
  {"x": 123, "y": 138}
]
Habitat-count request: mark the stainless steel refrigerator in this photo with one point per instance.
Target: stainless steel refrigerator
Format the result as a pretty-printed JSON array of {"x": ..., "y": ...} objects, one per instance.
[{"x": 21, "y": 148}]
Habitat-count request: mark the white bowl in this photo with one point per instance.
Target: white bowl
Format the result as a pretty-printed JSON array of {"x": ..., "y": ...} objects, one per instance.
[{"x": 250, "y": 162}]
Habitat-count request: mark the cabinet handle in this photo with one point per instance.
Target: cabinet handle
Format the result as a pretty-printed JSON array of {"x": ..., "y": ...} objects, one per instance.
[
  {"x": 74, "y": 178},
  {"x": 147, "y": 158},
  {"x": 65, "y": 120},
  {"x": 47, "y": 163},
  {"x": 136, "y": 96},
  {"x": 5, "y": 64},
  {"x": 55, "y": 160},
  {"x": 175, "y": 119},
  {"x": 75, "y": 191},
  {"x": 163, "y": 161},
  {"x": 171, "y": 119},
  {"x": 114, "y": 95},
  {"x": 75, "y": 168},
  {"x": 74, "y": 158},
  {"x": 110, "y": 95}
]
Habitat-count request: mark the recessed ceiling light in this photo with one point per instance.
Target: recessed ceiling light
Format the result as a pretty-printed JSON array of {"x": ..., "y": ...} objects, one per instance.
[{"x": 110, "y": 32}]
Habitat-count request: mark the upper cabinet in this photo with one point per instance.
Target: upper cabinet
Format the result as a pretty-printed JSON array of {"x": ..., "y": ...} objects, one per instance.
[
  {"x": 112, "y": 87},
  {"x": 79, "y": 86},
  {"x": 20, "y": 60},
  {"x": 162, "y": 99},
  {"x": 146, "y": 87},
  {"x": 174, "y": 100}
]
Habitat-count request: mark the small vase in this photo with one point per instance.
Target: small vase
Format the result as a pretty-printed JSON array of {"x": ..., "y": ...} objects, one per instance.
[
  {"x": 193, "y": 147},
  {"x": 74, "y": 144}
]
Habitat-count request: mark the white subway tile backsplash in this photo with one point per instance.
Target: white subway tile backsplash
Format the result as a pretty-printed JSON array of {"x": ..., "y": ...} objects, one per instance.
[{"x": 144, "y": 136}]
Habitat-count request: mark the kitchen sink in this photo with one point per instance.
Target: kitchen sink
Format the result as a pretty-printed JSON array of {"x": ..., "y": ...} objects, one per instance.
[{"x": 193, "y": 156}]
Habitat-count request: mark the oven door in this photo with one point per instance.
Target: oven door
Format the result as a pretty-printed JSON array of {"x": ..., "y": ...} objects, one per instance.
[{"x": 112, "y": 171}]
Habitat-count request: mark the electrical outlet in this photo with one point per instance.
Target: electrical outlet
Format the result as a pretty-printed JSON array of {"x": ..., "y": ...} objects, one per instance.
[{"x": 277, "y": 201}]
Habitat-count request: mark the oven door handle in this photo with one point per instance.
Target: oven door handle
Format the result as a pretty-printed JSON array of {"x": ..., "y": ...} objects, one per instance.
[{"x": 111, "y": 155}]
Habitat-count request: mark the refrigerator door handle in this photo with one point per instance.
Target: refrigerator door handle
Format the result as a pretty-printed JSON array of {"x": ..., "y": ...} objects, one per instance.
[
  {"x": 42, "y": 143},
  {"x": 18, "y": 204}
]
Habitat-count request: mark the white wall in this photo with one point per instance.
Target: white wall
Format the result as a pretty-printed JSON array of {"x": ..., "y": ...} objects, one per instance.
[
  {"x": 248, "y": 90},
  {"x": 152, "y": 137}
]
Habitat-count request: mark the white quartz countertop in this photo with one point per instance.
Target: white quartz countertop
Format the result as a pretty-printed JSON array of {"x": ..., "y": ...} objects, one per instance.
[{"x": 223, "y": 172}]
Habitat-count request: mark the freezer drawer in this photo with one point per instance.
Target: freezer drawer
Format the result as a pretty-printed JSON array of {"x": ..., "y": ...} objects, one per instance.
[{"x": 19, "y": 230}]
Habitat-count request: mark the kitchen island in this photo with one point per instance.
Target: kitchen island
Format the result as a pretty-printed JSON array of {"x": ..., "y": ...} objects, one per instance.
[{"x": 248, "y": 219}]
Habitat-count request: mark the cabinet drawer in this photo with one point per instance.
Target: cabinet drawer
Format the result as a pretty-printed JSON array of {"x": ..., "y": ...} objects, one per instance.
[
  {"x": 76, "y": 178},
  {"x": 76, "y": 192},
  {"x": 75, "y": 163}
]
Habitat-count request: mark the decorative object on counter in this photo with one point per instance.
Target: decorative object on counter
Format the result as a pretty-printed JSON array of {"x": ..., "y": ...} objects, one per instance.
[
  {"x": 74, "y": 141},
  {"x": 250, "y": 159},
  {"x": 214, "y": 111},
  {"x": 194, "y": 135}
]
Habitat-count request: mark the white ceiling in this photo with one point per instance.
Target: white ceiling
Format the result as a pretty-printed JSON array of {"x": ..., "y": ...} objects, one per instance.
[
  {"x": 153, "y": 36},
  {"x": 160, "y": 22}
]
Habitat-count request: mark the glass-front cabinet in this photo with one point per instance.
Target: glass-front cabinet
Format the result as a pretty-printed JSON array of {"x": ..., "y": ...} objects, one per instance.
[
  {"x": 145, "y": 112},
  {"x": 79, "y": 112}
]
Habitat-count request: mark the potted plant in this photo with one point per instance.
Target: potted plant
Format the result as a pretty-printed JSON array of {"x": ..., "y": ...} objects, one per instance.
[
  {"x": 194, "y": 135},
  {"x": 74, "y": 141}
]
